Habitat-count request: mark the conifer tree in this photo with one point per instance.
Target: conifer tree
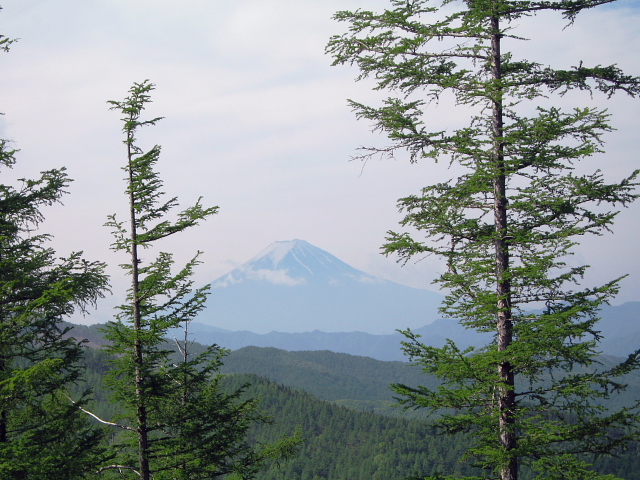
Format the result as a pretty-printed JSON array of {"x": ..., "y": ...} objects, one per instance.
[
  {"x": 178, "y": 424},
  {"x": 505, "y": 227},
  {"x": 42, "y": 434}
]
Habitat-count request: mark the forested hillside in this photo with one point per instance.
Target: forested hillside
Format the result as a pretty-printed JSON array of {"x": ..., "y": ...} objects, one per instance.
[
  {"x": 348, "y": 445},
  {"x": 360, "y": 383},
  {"x": 341, "y": 443}
]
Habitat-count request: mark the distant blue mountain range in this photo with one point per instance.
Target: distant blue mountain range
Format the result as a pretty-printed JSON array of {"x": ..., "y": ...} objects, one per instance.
[
  {"x": 293, "y": 286},
  {"x": 620, "y": 327}
]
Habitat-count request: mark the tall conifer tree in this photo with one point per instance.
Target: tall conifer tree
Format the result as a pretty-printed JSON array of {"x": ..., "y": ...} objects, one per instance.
[
  {"x": 504, "y": 227},
  {"x": 179, "y": 423},
  {"x": 42, "y": 434}
]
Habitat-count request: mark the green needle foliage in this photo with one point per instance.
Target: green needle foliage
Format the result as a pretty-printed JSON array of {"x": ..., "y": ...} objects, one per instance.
[
  {"x": 176, "y": 421},
  {"x": 42, "y": 434},
  {"x": 505, "y": 226}
]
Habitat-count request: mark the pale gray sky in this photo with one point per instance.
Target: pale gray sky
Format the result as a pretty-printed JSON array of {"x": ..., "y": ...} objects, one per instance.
[{"x": 257, "y": 123}]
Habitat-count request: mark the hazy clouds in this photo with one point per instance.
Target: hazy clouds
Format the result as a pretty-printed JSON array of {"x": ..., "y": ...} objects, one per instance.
[{"x": 257, "y": 123}]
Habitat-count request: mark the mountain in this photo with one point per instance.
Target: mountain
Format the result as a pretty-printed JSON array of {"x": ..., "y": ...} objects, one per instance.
[{"x": 293, "y": 286}]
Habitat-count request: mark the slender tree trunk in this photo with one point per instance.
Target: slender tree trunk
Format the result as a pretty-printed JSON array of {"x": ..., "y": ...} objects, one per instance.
[
  {"x": 185, "y": 386},
  {"x": 506, "y": 396},
  {"x": 143, "y": 440},
  {"x": 185, "y": 359},
  {"x": 4, "y": 420},
  {"x": 3, "y": 426}
]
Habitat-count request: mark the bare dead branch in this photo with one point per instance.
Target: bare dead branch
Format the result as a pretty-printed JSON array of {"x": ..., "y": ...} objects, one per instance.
[
  {"x": 98, "y": 418},
  {"x": 120, "y": 468}
]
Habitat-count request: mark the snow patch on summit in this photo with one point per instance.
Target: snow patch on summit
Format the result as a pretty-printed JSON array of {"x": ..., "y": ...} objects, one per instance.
[{"x": 276, "y": 251}]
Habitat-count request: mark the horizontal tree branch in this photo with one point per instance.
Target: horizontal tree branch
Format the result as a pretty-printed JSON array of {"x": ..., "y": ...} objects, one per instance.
[{"x": 98, "y": 418}]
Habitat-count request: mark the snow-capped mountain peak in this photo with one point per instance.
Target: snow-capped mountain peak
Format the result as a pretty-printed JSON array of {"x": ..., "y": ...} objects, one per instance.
[
  {"x": 295, "y": 262},
  {"x": 295, "y": 286},
  {"x": 278, "y": 250}
]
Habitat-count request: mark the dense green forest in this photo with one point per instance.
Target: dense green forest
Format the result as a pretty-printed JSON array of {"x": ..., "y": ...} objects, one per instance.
[{"x": 340, "y": 443}]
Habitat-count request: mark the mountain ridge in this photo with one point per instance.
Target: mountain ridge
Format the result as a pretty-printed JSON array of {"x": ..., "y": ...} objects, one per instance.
[{"x": 619, "y": 326}]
